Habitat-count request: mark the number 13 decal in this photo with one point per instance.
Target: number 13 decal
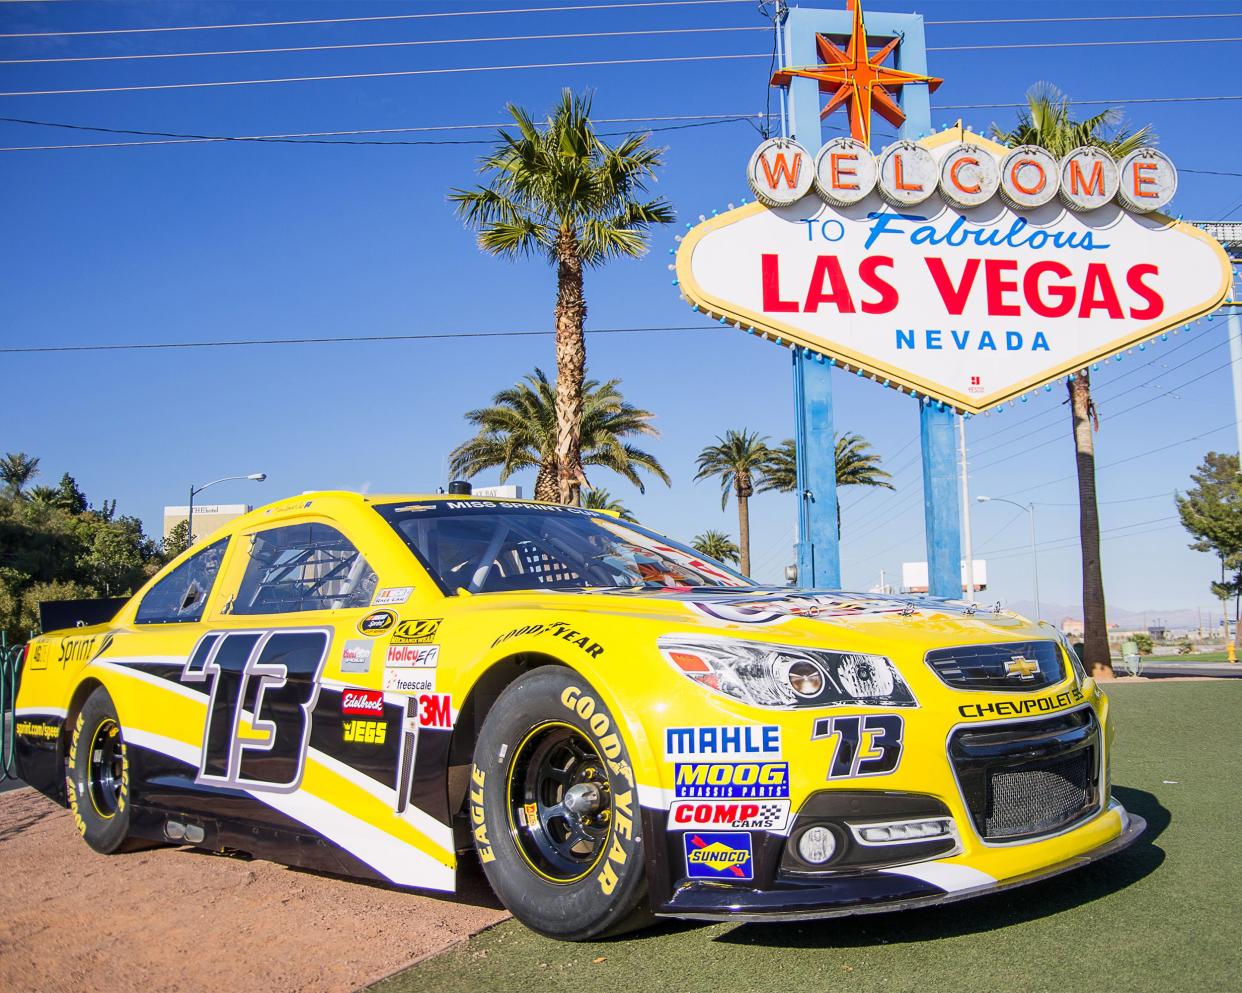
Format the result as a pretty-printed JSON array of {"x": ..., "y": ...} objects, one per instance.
[
  {"x": 271, "y": 678},
  {"x": 866, "y": 746}
]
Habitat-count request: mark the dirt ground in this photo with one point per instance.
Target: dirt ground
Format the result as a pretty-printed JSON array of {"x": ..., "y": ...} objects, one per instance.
[{"x": 180, "y": 921}]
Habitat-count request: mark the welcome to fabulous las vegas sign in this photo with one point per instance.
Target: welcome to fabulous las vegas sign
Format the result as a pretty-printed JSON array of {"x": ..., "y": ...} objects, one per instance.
[{"x": 954, "y": 267}]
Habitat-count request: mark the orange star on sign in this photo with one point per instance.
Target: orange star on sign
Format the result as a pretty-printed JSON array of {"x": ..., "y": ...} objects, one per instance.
[{"x": 857, "y": 80}]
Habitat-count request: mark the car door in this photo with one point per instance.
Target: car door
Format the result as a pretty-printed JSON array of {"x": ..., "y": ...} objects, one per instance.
[{"x": 298, "y": 718}]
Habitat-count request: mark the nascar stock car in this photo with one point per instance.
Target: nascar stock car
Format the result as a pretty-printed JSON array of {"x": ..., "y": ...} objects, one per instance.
[{"x": 619, "y": 727}]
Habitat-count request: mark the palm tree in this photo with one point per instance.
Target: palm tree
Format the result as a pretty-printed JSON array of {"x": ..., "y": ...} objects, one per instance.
[
  {"x": 600, "y": 499},
  {"x": 16, "y": 470},
  {"x": 519, "y": 431},
  {"x": 740, "y": 459},
  {"x": 716, "y": 545},
  {"x": 856, "y": 465},
  {"x": 564, "y": 194},
  {"x": 1046, "y": 122},
  {"x": 49, "y": 496}
]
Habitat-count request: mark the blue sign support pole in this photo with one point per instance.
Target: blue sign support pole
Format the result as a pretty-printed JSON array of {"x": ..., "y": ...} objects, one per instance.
[
  {"x": 819, "y": 548},
  {"x": 819, "y": 555}
]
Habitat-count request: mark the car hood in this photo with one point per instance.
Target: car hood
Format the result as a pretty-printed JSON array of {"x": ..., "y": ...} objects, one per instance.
[{"x": 805, "y": 615}]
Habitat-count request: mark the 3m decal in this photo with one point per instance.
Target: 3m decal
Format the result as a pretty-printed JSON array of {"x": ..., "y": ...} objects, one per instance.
[
  {"x": 747, "y": 815},
  {"x": 741, "y": 741},
  {"x": 435, "y": 710},
  {"x": 377, "y": 622},
  {"x": 399, "y": 681},
  {"x": 356, "y": 655},
  {"x": 274, "y": 677},
  {"x": 365, "y": 702},
  {"x": 732, "y": 780},
  {"x": 719, "y": 855},
  {"x": 365, "y": 732},
  {"x": 865, "y": 746},
  {"x": 391, "y": 595},
  {"x": 412, "y": 656},
  {"x": 1022, "y": 708},
  {"x": 416, "y": 632},
  {"x": 555, "y": 629}
]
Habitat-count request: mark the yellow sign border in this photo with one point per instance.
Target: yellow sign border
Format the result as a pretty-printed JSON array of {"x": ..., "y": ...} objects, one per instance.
[{"x": 765, "y": 325}]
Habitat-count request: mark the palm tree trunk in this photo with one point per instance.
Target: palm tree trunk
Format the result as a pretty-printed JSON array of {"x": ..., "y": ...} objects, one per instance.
[
  {"x": 570, "y": 367},
  {"x": 743, "y": 531},
  {"x": 1096, "y": 656},
  {"x": 546, "y": 488}
]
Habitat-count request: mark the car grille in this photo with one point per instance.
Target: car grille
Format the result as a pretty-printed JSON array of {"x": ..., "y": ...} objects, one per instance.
[
  {"x": 1017, "y": 666},
  {"x": 1027, "y": 779}
]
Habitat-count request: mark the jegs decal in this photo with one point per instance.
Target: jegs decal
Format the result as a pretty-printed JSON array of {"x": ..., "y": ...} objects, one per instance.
[
  {"x": 275, "y": 676},
  {"x": 865, "y": 746}
]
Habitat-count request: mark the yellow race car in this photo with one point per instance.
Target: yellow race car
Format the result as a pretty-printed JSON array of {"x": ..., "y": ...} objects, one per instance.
[{"x": 617, "y": 726}]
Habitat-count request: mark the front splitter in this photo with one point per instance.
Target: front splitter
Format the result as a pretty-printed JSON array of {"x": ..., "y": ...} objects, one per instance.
[{"x": 775, "y": 906}]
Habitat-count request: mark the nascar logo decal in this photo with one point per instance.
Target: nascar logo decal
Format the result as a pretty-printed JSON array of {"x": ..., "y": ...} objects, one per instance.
[{"x": 725, "y": 855}]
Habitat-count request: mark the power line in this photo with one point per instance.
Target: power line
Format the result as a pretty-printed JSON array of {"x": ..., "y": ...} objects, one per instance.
[
  {"x": 385, "y": 17},
  {"x": 1127, "y": 100},
  {"x": 384, "y": 75},
  {"x": 333, "y": 339},
  {"x": 1079, "y": 44},
  {"x": 320, "y": 137},
  {"x": 387, "y": 44},
  {"x": 179, "y": 138},
  {"x": 651, "y": 60},
  {"x": 1129, "y": 458},
  {"x": 581, "y": 7}
]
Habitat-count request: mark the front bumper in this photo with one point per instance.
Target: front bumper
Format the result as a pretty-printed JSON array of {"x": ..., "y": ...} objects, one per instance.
[{"x": 922, "y": 884}]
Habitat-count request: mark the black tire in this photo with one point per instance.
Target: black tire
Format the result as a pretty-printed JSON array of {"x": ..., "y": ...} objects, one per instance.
[
  {"x": 97, "y": 775},
  {"x": 571, "y": 871}
]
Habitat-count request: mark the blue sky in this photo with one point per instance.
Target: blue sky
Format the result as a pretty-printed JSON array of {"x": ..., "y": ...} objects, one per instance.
[{"x": 188, "y": 242}]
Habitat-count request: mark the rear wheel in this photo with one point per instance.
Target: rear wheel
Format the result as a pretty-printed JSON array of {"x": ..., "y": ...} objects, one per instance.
[
  {"x": 97, "y": 775},
  {"x": 555, "y": 812}
]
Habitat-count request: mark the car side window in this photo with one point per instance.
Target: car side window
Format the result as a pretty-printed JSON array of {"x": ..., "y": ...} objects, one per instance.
[
  {"x": 303, "y": 567},
  {"x": 181, "y": 596}
]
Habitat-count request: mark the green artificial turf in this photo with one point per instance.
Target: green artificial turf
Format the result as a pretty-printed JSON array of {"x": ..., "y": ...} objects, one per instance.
[{"x": 1164, "y": 915}]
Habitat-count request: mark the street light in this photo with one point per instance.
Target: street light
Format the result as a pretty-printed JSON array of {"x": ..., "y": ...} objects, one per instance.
[
  {"x": 1030, "y": 509},
  {"x": 258, "y": 477}
]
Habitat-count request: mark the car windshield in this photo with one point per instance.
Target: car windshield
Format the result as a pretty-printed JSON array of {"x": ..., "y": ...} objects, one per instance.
[{"x": 487, "y": 547}]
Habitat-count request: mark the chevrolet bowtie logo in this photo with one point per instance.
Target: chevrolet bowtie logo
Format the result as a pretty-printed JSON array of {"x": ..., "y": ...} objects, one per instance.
[{"x": 1021, "y": 667}]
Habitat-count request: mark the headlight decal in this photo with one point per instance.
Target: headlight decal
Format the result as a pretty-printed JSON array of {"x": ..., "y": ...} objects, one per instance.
[{"x": 770, "y": 675}]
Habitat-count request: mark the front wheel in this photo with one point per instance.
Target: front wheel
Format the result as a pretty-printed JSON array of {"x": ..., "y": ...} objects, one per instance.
[
  {"x": 555, "y": 812},
  {"x": 97, "y": 775}
]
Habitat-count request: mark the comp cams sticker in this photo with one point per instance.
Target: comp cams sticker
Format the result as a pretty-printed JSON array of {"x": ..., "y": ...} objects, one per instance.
[{"x": 744, "y": 815}]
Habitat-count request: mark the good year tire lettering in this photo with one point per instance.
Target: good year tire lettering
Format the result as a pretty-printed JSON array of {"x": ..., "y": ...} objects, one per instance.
[{"x": 587, "y": 708}]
